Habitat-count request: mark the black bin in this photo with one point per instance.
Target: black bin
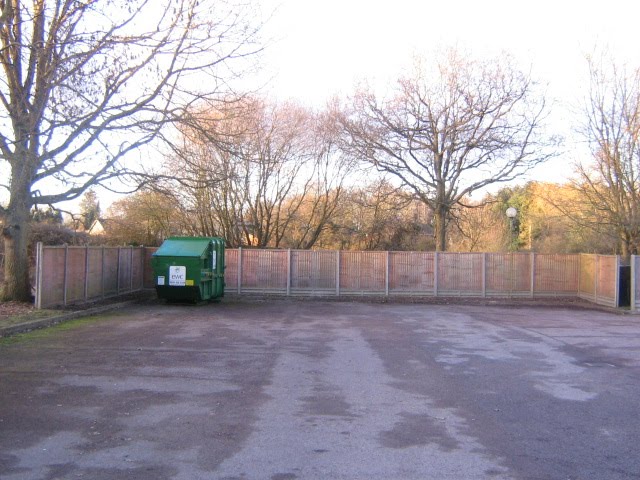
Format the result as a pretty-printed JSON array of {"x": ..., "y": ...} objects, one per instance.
[{"x": 624, "y": 286}]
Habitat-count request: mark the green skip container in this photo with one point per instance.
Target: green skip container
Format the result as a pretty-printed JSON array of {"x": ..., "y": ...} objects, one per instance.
[{"x": 189, "y": 269}]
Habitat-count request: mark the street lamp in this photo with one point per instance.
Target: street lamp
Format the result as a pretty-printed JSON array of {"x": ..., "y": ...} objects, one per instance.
[{"x": 512, "y": 213}]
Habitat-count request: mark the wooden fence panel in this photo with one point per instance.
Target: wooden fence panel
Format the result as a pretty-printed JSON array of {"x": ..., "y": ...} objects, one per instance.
[
  {"x": 411, "y": 273},
  {"x": 473, "y": 274},
  {"x": 148, "y": 280},
  {"x": 460, "y": 274},
  {"x": 137, "y": 269},
  {"x": 363, "y": 272},
  {"x": 556, "y": 274},
  {"x": 588, "y": 276},
  {"x": 231, "y": 270},
  {"x": 313, "y": 272},
  {"x": 599, "y": 279},
  {"x": 607, "y": 272},
  {"x": 508, "y": 274},
  {"x": 124, "y": 270},
  {"x": 264, "y": 271},
  {"x": 69, "y": 275},
  {"x": 75, "y": 268},
  {"x": 51, "y": 288},
  {"x": 110, "y": 271},
  {"x": 94, "y": 272}
]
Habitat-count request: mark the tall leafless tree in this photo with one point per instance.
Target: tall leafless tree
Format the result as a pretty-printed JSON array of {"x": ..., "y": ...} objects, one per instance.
[
  {"x": 609, "y": 184},
  {"x": 252, "y": 171},
  {"x": 85, "y": 83},
  {"x": 317, "y": 208},
  {"x": 477, "y": 224},
  {"x": 450, "y": 130}
]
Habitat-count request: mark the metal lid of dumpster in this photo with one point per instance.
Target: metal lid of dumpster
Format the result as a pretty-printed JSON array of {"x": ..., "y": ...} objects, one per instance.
[{"x": 183, "y": 247}]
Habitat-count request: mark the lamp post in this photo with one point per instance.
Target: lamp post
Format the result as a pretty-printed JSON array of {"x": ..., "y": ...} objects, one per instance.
[{"x": 511, "y": 214}]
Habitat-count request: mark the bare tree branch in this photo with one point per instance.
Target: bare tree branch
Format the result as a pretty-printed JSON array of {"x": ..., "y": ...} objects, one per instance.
[
  {"x": 83, "y": 85},
  {"x": 451, "y": 131},
  {"x": 610, "y": 183}
]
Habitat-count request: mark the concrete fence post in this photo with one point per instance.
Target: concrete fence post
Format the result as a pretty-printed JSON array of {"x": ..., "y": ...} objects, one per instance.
[
  {"x": 86, "y": 272},
  {"x": 337, "y": 273},
  {"x": 386, "y": 275},
  {"x": 289, "y": 272},
  {"x": 435, "y": 274},
  {"x": 616, "y": 293},
  {"x": 484, "y": 275},
  {"x": 633, "y": 283},
  {"x": 595, "y": 279},
  {"x": 102, "y": 271},
  {"x": 39, "y": 268},
  {"x": 65, "y": 274},
  {"x": 143, "y": 254},
  {"x": 533, "y": 274},
  {"x": 579, "y": 274},
  {"x": 118, "y": 273},
  {"x": 512, "y": 274},
  {"x": 239, "y": 261},
  {"x": 131, "y": 269}
]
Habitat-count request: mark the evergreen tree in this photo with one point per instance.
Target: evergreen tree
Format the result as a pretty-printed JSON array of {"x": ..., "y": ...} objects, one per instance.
[{"x": 89, "y": 208}]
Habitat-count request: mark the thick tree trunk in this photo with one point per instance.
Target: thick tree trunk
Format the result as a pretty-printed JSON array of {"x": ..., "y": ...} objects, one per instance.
[
  {"x": 628, "y": 245},
  {"x": 624, "y": 246},
  {"x": 15, "y": 235},
  {"x": 15, "y": 232},
  {"x": 440, "y": 218}
]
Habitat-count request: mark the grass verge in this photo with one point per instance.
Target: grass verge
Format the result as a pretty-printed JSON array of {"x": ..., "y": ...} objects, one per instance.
[
  {"x": 27, "y": 315},
  {"x": 46, "y": 332}
]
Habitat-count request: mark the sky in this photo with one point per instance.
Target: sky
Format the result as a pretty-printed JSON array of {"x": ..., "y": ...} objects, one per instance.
[{"x": 322, "y": 48}]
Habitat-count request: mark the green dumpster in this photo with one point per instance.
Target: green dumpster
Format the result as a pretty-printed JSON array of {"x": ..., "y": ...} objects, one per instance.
[{"x": 189, "y": 269}]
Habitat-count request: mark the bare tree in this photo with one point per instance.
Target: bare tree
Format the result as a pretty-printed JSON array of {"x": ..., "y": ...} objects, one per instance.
[
  {"x": 144, "y": 218},
  {"x": 378, "y": 216},
  {"x": 478, "y": 226},
  {"x": 451, "y": 130},
  {"x": 610, "y": 184},
  {"x": 316, "y": 206},
  {"x": 85, "y": 83},
  {"x": 254, "y": 171},
  {"x": 200, "y": 177}
]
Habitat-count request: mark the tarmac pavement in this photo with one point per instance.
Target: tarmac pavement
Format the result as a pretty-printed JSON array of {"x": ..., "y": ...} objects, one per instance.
[{"x": 286, "y": 390}]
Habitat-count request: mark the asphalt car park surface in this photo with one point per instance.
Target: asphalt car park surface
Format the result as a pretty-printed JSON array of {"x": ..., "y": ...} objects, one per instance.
[{"x": 325, "y": 390}]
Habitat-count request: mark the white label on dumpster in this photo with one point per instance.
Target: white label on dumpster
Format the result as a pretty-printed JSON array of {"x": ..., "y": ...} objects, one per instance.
[
  {"x": 160, "y": 280},
  {"x": 177, "y": 276},
  {"x": 213, "y": 260}
]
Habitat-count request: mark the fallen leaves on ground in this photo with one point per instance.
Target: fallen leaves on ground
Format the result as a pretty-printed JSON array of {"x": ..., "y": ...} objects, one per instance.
[{"x": 14, "y": 309}]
